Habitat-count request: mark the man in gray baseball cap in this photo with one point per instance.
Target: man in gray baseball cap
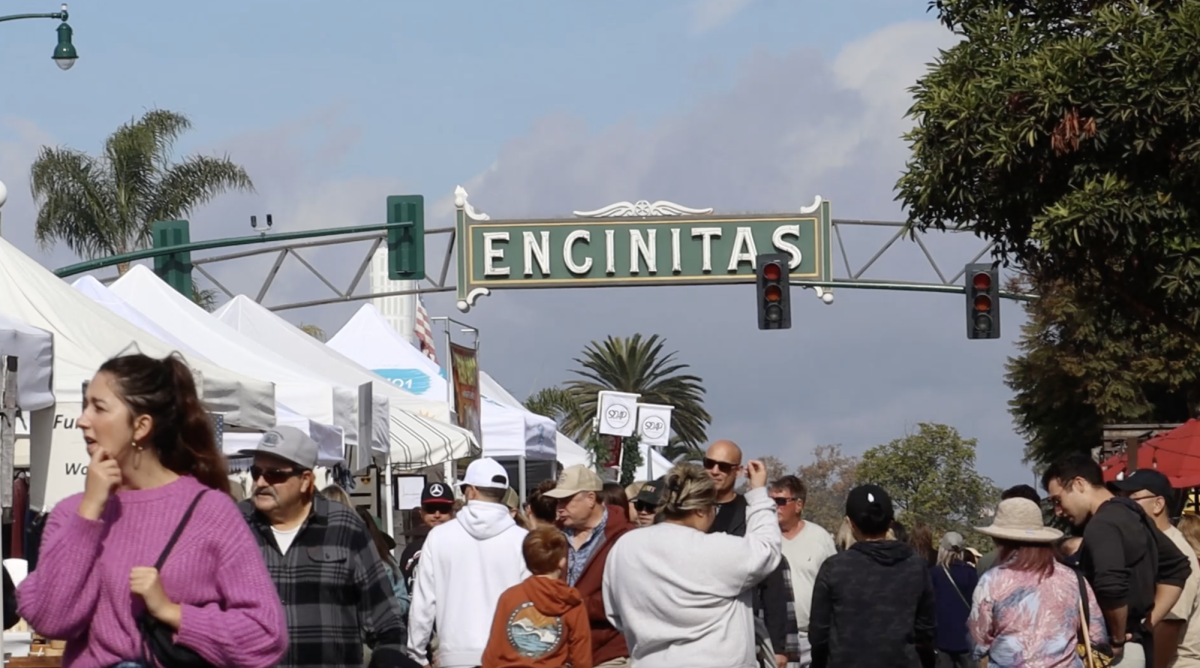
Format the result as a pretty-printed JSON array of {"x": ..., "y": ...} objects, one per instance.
[{"x": 334, "y": 588}]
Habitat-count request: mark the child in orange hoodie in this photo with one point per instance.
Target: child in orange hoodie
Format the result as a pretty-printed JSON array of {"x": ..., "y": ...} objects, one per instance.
[{"x": 541, "y": 623}]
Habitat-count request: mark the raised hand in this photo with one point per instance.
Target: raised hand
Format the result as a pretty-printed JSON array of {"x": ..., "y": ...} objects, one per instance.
[
  {"x": 103, "y": 478},
  {"x": 756, "y": 471}
]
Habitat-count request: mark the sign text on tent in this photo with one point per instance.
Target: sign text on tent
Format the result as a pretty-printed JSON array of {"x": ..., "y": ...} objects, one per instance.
[{"x": 634, "y": 244}]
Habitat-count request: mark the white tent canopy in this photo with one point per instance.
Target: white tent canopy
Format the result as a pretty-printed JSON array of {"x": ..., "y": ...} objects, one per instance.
[
  {"x": 329, "y": 438},
  {"x": 34, "y": 351},
  {"x": 507, "y": 431},
  {"x": 85, "y": 336},
  {"x": 419, "y": 430}
]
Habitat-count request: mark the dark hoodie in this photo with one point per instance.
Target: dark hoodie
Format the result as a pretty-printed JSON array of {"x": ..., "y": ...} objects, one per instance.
[
  {"x": 540, "y": 623},
  {"x": 872, "y": 607}
]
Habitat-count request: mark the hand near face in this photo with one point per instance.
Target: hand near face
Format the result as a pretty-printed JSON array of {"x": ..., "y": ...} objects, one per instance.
[
  {"x": 103, "y": 478},
  {"x": 757, "y": 472}
]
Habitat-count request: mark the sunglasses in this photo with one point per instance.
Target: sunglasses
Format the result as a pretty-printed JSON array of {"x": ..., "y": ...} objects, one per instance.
[
  {"x": 781, "y": 500},
  {"x": 725, "y": 467},
  {"x": 274, "y": 476},
  {"x": 436, "y": 508},
  {"x": 644, "y": 507}
]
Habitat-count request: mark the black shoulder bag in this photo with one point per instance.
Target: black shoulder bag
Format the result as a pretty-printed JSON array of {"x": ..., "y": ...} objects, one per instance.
[{"x": 159, "y": 638}]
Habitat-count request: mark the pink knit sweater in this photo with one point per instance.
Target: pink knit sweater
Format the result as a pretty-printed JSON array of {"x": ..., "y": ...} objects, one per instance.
[{"x": 80, "y": 591}]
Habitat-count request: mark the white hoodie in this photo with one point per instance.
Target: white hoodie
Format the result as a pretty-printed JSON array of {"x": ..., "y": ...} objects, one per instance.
[{"x": 465, "y": 566}]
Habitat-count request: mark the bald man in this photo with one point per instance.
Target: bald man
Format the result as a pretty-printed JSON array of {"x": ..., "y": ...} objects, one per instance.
[{"x": 773, "y": 599}]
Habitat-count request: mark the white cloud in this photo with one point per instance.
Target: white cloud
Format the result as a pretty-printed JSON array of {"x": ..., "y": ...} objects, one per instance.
[{"x": 710, "y": 14}]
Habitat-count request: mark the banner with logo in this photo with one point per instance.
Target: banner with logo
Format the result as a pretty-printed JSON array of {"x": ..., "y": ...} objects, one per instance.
[
  {"x": 654, "y": 424},
  {"x": 617, "y": 411},
  {"x": 465, "y": 365}
]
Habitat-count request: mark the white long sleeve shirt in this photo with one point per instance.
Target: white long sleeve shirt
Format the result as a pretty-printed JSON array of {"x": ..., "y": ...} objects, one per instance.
[
  {"x": 683, "y": 598},
  {"x": 465, "y": 566}
]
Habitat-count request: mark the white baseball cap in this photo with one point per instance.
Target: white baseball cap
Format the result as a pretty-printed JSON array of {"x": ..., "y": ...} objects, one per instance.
[{"x": 486, "y": 473}]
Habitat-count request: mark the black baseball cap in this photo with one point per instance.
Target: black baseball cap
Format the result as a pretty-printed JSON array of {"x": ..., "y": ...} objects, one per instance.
[
  {"x": 437, "y": 492},
  {"x": 651, "y": 492},
  {"x": 870, "y": 509},
  {"x": 1146, "y": 480}
]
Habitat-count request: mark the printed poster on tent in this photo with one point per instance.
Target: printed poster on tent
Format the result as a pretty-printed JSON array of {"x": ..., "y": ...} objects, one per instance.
[{"x": 465, "y": 366}]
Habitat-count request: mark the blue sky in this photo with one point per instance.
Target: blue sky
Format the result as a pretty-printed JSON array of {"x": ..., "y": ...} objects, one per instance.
[{"x": 540, "y": 108}]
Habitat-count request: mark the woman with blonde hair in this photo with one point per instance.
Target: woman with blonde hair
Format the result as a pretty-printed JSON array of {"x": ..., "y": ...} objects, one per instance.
[{"x": 677, "y": 611}]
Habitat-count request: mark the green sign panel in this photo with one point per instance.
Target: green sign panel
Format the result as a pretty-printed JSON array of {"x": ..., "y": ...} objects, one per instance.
[{"x": 626, "y": 249}]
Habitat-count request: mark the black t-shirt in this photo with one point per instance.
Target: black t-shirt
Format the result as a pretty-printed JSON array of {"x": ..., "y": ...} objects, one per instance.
[{"x": 731, "y": 517}]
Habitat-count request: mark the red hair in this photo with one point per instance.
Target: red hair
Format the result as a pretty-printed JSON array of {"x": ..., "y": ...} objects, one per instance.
[
  {"x": 1034, "y": 558},
  {"x": 544, "y": 550}
]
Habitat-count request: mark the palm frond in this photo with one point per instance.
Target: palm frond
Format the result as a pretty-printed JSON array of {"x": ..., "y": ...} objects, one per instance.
[
  {"x": 560, "y": 405},
  {"x": 204, "y": 298},
  {"x": 194, "y": 182},
  {"x": 74, "y": 202}
]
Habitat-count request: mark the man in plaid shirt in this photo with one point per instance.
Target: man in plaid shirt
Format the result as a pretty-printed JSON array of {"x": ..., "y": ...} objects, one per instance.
[{"x": 331, "y": 581}]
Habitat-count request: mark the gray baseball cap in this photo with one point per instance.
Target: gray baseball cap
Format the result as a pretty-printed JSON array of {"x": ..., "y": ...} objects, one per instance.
[{"x": 287, "y": 443}]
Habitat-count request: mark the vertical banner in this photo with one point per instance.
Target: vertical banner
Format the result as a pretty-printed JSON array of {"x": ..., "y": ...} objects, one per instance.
[
  {"x": 616, "y": 413},
  {"x": 465, "y": 365},
  {"x": 654, "y": 424}
]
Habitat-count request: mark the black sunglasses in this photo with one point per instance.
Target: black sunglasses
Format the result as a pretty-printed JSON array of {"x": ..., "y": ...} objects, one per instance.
[
  {"x": 725, "y": 467},
  {"x": 781, "y": 500},
  {"x": 644, "y": 507},
  {"x": 435, "y": 508},
  {"x": 274, "y": 476}
]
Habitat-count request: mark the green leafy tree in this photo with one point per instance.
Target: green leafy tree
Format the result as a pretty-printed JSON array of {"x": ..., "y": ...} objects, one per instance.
[
  {"x": 638, "y": 365},
  {"x": 104, "y": 205},
  {"x": 1065, "y": 131},
  {"x": 1077, "y": 371},
  {"x": 829, "y": 477},
  {"x": 559, "y": 405},
  {"x": 931, "y": 477}
]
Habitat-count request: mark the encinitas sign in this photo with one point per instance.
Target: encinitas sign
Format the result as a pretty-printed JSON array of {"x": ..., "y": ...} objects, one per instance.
[{"x": 632, "y": 244}]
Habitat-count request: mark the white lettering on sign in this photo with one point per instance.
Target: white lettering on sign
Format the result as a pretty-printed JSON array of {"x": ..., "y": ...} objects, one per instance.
[
  {"x": 491, "y": 254},
  {"x": 569, "y": 254},
  {"x": 786, "y": 247},
  {"x": 707, "y": 234},
  {"x": 648, "y": 252},
  {"x": 611, "y": 264},
  {"x": 676, "y": 260},
  {"x": 618, "y": 416},
  {"x": 743, "y": 248},
  {"x": 540, "y": 251}
]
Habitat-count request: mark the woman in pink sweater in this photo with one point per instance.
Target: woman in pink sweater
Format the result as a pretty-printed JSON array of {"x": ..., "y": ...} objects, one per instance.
[{"x": 153, "y": 451}]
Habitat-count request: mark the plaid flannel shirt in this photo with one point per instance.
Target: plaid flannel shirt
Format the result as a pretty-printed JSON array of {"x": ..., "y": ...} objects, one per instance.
[
  {"x": 334, "y": 589},
  {"x": 792, "y": 649}
]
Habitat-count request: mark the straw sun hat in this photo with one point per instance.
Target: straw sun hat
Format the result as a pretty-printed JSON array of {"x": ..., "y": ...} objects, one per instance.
[{"x": 1020, "y": 520}]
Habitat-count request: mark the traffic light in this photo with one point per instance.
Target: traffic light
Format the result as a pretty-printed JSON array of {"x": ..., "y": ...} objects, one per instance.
[
  {"x": 774, "y": 294},
  {"x": 983, "y": 301},
  {"x": 176, "y": 268},
  {"x": 406, "y": 245}
]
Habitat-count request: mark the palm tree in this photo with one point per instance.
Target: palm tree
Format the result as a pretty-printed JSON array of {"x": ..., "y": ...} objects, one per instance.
[
  {"x": 560, "y": 405},
  {"x": 102, "y": 206},
  {"x": 313, "y": 331},
  {"x": 638, "y": 365},
  {"x": 204, "y": 298}
]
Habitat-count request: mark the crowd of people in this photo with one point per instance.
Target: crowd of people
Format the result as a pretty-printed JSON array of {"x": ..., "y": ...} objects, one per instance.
[{"x": 154, "y": 564}]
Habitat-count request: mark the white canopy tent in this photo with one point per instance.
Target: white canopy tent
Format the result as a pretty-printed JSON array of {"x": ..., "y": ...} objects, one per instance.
[
  {"x": 85, "y": 336},
  {"x": 33, "y": 348},
  {"x": 329, "y": 438},
  {"x": 507, "y": 431},
  {"x": 419, "y": 430}
]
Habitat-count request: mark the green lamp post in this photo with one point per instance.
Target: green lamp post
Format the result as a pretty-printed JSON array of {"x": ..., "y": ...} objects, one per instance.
[{"x": 64, "y": 54}]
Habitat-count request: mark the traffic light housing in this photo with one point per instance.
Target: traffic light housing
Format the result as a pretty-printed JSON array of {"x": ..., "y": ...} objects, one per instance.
[
  {"x": 774, "y": 291},
  {"x": 175, "y": 269},
  {"x": 983, "y": 301},
  {"x": 406, "y": 245}
]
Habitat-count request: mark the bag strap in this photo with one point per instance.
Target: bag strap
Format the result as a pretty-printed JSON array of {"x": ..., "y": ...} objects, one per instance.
[
  {"x": 178, "y": 531},
  {"x": 955, "y": 585},
  {"x": 1089, "y": 661}
]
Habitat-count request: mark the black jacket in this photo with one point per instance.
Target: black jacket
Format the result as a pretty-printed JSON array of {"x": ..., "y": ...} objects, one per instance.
[
  {"x": 772, "y": 596},
  {"x": 873, "y": 607},
  {"x": 10, "y": 602},
  {"x": 412, "y": 553}
]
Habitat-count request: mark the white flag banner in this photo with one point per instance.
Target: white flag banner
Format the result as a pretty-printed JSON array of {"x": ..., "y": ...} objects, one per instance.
[
  {"x": 654, "y": 424},
  {"x": 617, "y": 411}
]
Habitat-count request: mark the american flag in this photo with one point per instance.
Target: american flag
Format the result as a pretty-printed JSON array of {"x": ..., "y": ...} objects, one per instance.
[{"x": 424, "y": 331}]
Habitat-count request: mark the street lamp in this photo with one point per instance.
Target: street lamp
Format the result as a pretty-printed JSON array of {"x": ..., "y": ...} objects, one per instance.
[{"x": 64, "y": 54}]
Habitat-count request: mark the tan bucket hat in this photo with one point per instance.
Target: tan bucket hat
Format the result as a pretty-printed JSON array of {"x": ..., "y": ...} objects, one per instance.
[{"x": 1020, "y": 520}]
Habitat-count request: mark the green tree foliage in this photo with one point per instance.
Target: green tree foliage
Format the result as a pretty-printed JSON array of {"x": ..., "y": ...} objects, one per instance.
[
  {"x": 560, "y": 405},
  {"x": 1065, "y": 130},
  {"x": 204, "y": 298},
  {"x": 932, "y": 479},
  {"x": 829, "y": 478},
  {"x": 104, "y": 205},
  {"x": 313, "y": 331},
  {"x": 1078, "y": 371},
  {"x": 641, "y": 366}
]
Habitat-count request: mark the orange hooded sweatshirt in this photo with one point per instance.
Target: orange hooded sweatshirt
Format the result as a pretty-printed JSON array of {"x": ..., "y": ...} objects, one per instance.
[{"x": 540, "y": 623}]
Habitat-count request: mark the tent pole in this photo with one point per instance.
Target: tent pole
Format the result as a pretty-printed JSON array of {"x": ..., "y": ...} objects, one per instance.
[{"x": 8, "y": 428}]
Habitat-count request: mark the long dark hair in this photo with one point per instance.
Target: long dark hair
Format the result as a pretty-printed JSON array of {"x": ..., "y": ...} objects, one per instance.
[
  {"x": 181, "y": 433},
  {"x": 381, "y": 545}
]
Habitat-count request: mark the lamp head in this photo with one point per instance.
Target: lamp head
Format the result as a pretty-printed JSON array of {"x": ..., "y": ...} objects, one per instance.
[{"x": 64, "y": 54}]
